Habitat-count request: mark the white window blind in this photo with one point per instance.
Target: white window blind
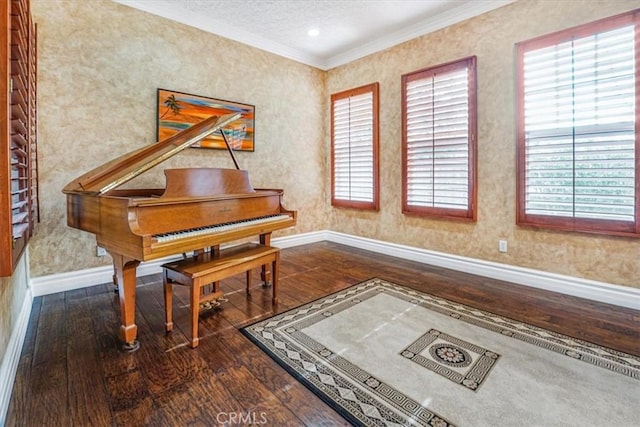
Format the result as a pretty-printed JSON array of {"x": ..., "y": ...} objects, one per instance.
[
  {"x": 437, "y": 115},
  {"x": 353, "y": 148},
  {"x": 579, "y": 127}
]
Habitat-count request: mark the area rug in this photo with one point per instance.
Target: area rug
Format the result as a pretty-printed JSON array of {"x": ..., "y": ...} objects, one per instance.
[{"x": 385, "y": 355}]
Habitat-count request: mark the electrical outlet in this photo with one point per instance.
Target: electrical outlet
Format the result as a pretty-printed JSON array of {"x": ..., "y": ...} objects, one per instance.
[
  {"x": 100, "y": 251},
  {"x": 502, "y": 245}
]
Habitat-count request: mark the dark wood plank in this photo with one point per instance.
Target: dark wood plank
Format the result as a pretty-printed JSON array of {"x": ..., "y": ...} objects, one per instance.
[
  {"x": 131, "y": 401},
  {"x": 106, "y": 321},
  {"x": 258, "y": 401},
  {"x": 72, "y": 349},
  {"x": 154, "y": 358},
  {"x": 196, "y": 403},
  {"x": 49, "y": 375},
  {"x": 290, "y": 392},
  {"x": 21, "y": 396},
  {"x": 88, "y": 403}
]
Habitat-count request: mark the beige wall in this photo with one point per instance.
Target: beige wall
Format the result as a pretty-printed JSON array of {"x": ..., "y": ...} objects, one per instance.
[
  {"x": 13, "y": 291},
  {"x": 491, "y": 37},
  {"x": 100, "y": 64}
]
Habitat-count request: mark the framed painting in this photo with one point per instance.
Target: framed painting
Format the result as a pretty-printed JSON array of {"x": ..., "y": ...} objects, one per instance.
[{"x": 178, "y": 110}]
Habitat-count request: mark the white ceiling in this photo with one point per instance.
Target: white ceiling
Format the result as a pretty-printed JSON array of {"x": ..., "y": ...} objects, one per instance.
[{"x": 349, "y": 29}]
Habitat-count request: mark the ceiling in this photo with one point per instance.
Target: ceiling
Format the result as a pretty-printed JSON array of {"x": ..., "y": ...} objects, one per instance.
[{"x": 348, "y": 29}]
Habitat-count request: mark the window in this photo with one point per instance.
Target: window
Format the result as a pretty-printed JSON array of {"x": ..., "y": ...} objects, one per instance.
[
  {"x": 354, "y": 148},
  {"x": 577, "y": 149},
  {"x": 439, "y": 141}
]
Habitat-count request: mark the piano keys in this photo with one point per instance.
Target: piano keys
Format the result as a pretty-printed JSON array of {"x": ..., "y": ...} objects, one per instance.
[
  {"x": 198, "y": 208},
  {"x": 219, "y": 228}
]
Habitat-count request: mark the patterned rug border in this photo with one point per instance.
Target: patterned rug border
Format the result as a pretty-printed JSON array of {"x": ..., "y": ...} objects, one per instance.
[
  {"x": 619, "y": 362},
  {"x": 301, "y": 379},
  {"x": 291, "y": 370}
]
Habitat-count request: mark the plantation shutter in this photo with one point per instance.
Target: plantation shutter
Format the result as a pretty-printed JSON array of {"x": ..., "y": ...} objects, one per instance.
[
  {"x": 579, "y": 127},
  {"x": 438, "y": 141},
  {"x": 354, "y": 150}
]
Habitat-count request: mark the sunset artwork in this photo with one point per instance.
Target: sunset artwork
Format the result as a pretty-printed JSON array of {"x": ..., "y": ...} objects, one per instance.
[{"x": 178, "y": 111}]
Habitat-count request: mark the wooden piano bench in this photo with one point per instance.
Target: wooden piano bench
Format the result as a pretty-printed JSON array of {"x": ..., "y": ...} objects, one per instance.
[{"x": 200, "y": 271}]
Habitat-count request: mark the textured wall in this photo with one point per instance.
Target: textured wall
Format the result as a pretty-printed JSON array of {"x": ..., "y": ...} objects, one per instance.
[
  {"x": 491, "y": 37},
  {"x": 13, "y": 291},
  {"x": 100, "y": 64}
]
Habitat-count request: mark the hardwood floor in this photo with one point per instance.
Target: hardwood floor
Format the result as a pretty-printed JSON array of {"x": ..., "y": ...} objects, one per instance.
[{"x": 71, "y": 371}]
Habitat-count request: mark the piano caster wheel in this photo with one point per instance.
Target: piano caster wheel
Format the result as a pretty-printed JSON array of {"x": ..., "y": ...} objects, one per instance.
[
  {"x": 130, "y": 347},
  {"x": 266, "y": 285}
]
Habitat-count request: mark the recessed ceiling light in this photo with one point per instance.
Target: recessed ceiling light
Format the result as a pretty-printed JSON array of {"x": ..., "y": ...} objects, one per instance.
[{"x": 313, "y": 32}]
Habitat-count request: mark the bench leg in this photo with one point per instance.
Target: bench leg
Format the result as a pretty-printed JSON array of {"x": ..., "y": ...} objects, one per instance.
[
  {"x": 265, "y": 239},
  {"x": 274, "y": 277},
  {"x": 248, "y": 281},
  {"x": 168, "y": 303},
  {"x": 195, "y": 311}
]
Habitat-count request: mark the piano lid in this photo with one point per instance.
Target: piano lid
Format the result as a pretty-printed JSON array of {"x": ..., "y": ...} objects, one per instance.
[{"x": 126, "y": 167}]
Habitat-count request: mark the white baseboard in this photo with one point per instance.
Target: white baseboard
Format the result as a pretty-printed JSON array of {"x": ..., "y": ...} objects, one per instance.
[
  {"x": 61, "y": 282},
  {"x": 71, "y": 280},
  {"x": 590, "y": 289},
  {"x": 11, "y": 357}
]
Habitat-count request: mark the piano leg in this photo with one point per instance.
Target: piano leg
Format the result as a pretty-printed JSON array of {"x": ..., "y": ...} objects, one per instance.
[
  {"x": 125, "y": 268},
  {"x": 265, "y": 275}
]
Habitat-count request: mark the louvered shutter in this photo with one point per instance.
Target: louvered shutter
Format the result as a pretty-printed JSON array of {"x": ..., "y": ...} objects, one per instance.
[
  {"x": 354, "y": 149},
  {"x": 439, "y": 139},
  {"x": 579, "y": 130}
]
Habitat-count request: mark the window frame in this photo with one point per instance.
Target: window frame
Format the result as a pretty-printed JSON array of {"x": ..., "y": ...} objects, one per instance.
[
  {"x": 470, "y": 214},
  {"x": 374, "y": 205},
  {"x": 566, "y": 223}
]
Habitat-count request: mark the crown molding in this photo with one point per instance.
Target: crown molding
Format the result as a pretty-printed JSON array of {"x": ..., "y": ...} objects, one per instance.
[
  {"x": 173, "y": 11},
  {"x": 411, "y": 32}
]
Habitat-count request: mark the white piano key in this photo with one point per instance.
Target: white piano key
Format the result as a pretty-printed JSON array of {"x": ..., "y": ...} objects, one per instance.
[{"x": 217, "y": 228}]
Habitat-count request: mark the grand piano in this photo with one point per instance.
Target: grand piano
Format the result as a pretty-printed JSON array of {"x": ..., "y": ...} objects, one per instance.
[{"x": 199, "y": 209}]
